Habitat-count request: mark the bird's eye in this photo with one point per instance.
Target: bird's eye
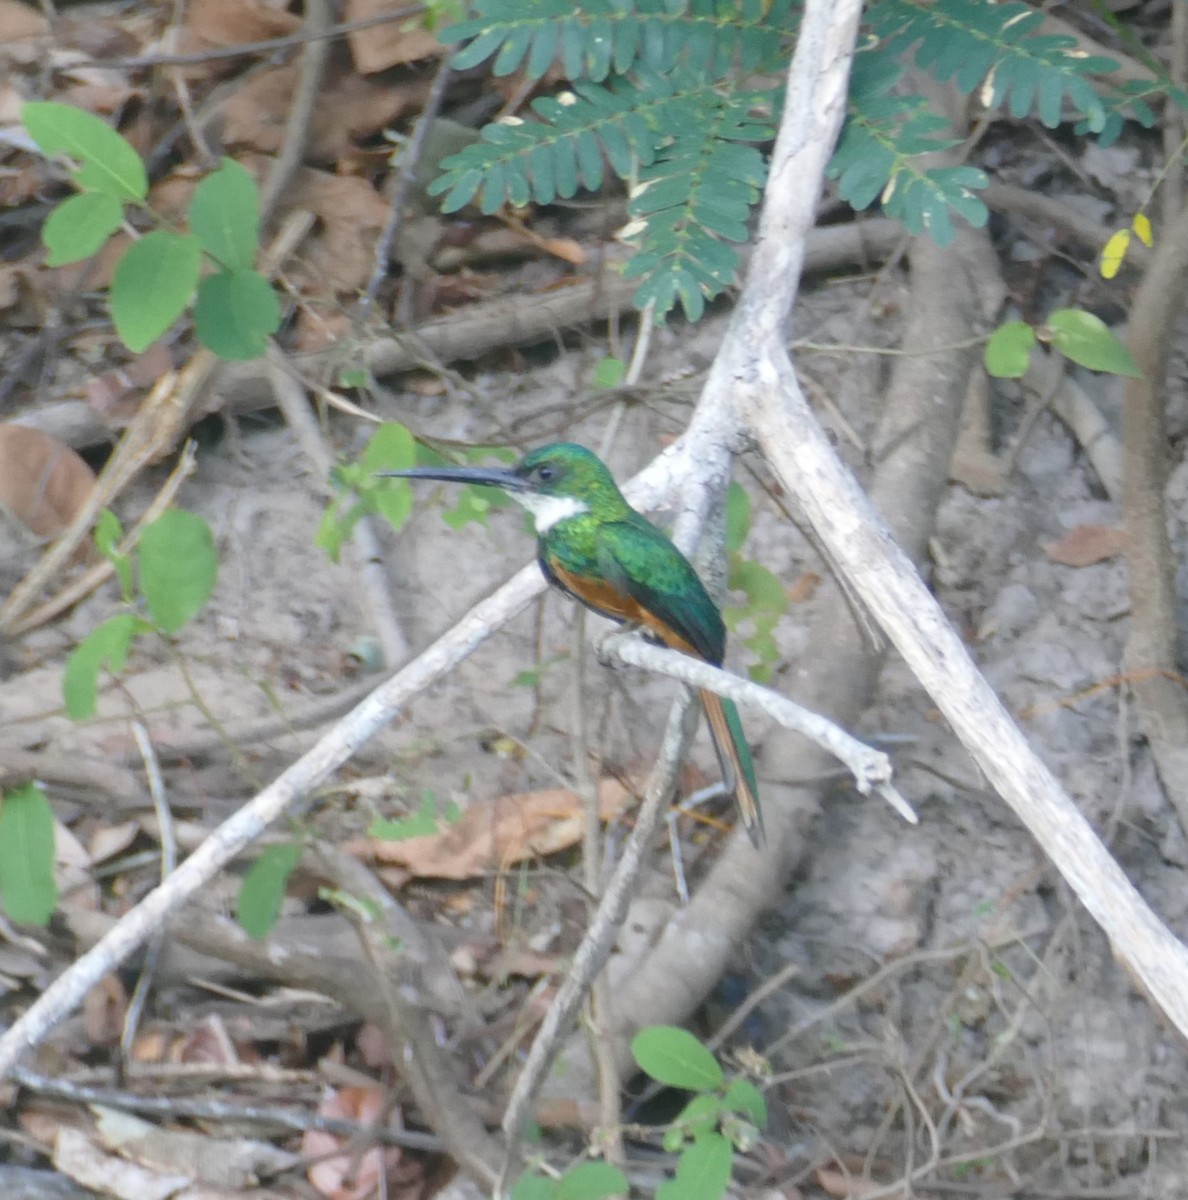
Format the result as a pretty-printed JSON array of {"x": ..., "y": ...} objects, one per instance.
[{"x": 544, "y": 474}]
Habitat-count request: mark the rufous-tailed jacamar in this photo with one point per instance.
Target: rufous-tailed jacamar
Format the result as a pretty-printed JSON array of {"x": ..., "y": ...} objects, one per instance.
[{"x": 592, "y": 545}]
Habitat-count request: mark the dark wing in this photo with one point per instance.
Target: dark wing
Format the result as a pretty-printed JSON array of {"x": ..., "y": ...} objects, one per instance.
[{"x": 637, "y": 558}]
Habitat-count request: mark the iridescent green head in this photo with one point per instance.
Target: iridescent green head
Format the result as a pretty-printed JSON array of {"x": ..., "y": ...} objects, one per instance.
[{"x": 555, "y": 483}]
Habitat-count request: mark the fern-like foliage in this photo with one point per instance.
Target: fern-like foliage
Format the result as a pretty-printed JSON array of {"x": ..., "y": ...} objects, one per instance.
[
  {"x": 878, "y": 155},
  {"x": 975, "y": 43},
  {"x": 656, "y": 94},
  {"x": 604, "y": 37}
]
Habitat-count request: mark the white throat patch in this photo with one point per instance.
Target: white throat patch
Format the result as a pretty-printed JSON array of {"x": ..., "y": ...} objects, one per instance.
[{"x": 547, "y": 511}]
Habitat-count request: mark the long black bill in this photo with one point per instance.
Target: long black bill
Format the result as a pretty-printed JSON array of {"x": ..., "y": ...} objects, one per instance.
[{"x": 499, "y": 477}]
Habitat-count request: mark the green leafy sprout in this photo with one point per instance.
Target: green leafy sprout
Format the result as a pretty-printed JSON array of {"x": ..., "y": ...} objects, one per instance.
[
  {"x": 235, "y": 308},
  {"x": 723, "y": 1115},
  {"x": 164, "y": 585}
]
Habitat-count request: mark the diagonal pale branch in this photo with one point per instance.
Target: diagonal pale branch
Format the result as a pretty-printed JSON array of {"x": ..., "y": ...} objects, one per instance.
[{"x": 754, "y": 359}]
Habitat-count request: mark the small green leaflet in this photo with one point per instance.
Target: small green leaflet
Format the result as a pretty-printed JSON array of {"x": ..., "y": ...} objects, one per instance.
[
  {"x": 1009, "y": 350},
  {"x": 152, "y": 284},
  {"x": 225, "y": 214},
  {"x": 107, "y": 162},
  {"x": 27, "y": 886},
  {"x": 79, "y": 226},
  {"x": 235, "y": 314},
  {"x": 178, "y": 567},
  {"x": 105, "y": 646},
  {"x": 703, "y": 1171}
]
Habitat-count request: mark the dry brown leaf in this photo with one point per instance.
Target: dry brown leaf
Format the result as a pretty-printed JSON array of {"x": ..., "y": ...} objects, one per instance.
[
  {"x": 104, "y": 1008},
  {"x": 233, "y": 22},
  {"x": 390, "y": 45},
  {"x": 805, "y": 588},
  {"x": 22, "y": 297},
  {"x": 43, "y": 483},
  {"x": 109, "y": 840},
  {"x": 497, "y": 833},
  {"x": 350, "y": 1175},
  {"x": 115, "y": 395},
  {"x": 77, "y": 1156},
  {"x": 21, "y": 26},
  {"x": 351, "y": 213},
  {"x": 230, "y": 1163},
  {"x": 1084, "y": 545},
  {"x": 847, "y": 1187},
  {"x": 350, "y": 107}
]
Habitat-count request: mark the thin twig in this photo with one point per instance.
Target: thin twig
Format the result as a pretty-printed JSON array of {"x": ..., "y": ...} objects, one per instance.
[
  {"x": 871, "y": 768},
  {"x": 186, "y": 1108},
  {"x": 410, "y": 158},
  {"x": 596, "y": 945},
  {"x": 148, "y": 969},
  {"x": 365, "y": 541},
  {"x": 313, "y": 69}
]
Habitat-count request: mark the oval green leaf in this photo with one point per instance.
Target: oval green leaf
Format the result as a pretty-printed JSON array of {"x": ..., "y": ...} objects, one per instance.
[
  {"x": 79, "y": 226},
  {"x": 178, "y": 567},
  {"x": 27, "y": 885},
  {"x": 1089, "y": 342},
  {"x": 152, "y": 284},
  {"x": 591, "y": 1181},
  {"x": 744, "y": 1097},
  {"x": 263, "y": 889},
  {"x": 106, "y": 161},
  {"x": 225, "y": 216},
  {"x": 236, "y": 313},
  {"x": 676, "y": 1058},
  {"x": 1009, "y": 350},
  {"x": 703, "y": 1171}
]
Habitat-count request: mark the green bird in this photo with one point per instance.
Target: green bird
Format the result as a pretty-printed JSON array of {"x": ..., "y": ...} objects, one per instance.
[{"x": 593, "y": 546}]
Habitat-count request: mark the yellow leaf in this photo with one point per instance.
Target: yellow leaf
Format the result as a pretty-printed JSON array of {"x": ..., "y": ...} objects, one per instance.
[
  {"x": 1142, "y": 229},
  {"x": 1113, "y": 253}
]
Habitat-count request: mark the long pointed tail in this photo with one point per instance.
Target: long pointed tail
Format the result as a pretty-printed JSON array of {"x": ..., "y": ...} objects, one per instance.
[{"x": 734, "y": 755}]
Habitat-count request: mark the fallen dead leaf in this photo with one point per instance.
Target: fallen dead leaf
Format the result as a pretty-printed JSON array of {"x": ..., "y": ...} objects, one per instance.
[
  {"x": 804, "y": 589},
  {"x": 497, "y": 833},
  {"x": 77, "y": 1155},
  {"x": 848, "y": 1187},
  {"x": 218, "y": 1162},
  {"x": 391, "y": 45},
  {"x": 212, "y": 23},
  {"x": 351, "y": 213},
  {"x": 21, "y": 28},
  {"x": 115, "y": 395},
  {"x": 104, "y": 1008},
  {"x": 350, "y": 107},
  {"x": 1084, "y": 545},
  {"x": 350, "y": 1175},
  {"x": 43, "y": 483}
]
